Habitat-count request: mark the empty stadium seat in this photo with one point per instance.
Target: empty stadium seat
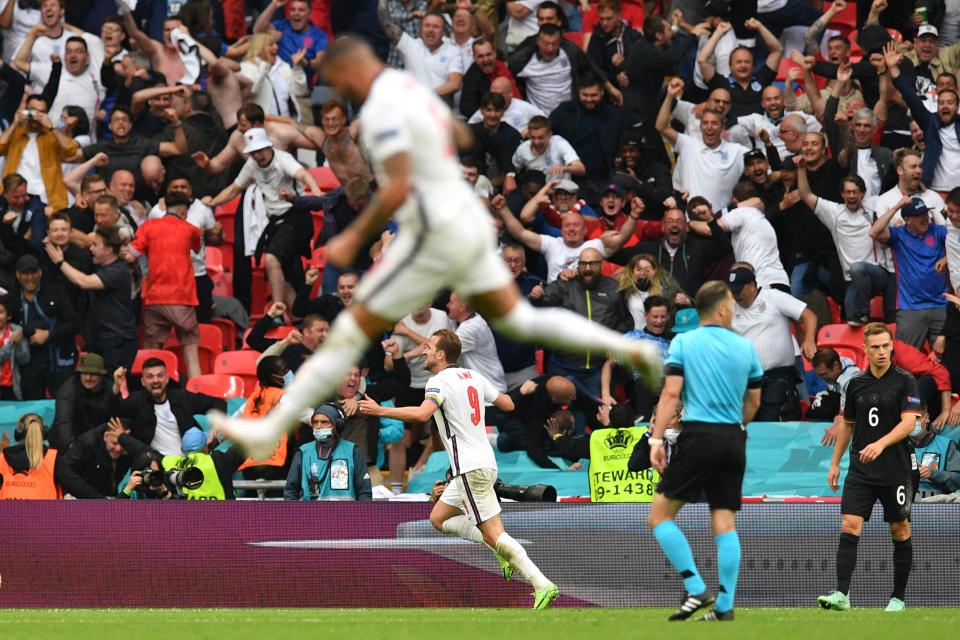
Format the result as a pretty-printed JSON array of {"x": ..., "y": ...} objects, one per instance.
[
  {"x": 239, "y": 363},
  {"x": 832, "y": 335},
  {"x": 169, "y": 358},
  {"x": 229, "y": 331},
  {"x": 214, "y": 260},
  {"x": 576, "y": 37},
  {"x": 217, "y": 385}
]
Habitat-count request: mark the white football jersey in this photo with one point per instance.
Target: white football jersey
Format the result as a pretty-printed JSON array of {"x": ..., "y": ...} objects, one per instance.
[
  {"x": 461, "y": 395},
  {"x": 402, "y": 115}
]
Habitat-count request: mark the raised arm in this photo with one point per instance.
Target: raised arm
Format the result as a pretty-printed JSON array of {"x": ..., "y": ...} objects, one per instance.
[
  {"x": 613, "y": 240},
  {"x": 79, "y": 278},
  {"x": 75, "y": 176},
  {"x": 265, "y": 19},
  {"x": 705, "y": 58},
  {"x": 664, "y": 116},
  {"x": 803, "y": 185},
  {"x": 308, "y": 181},
  {"x": 389, "y": 27},
  {"x": 772, "y": 42},
  {"x": 811, "y": 39},
  {"x": 179, "y": 145},
  {"x": 880, "y": 230},
  {"x": 145, "y": 43},
  {"x": 21, "y": 61},
  {"x": 140, "y": 98},
  {"x": 370, "y": 407},
  {"x": 918, "y": 111},
  {"x": 514, "y": 227}
]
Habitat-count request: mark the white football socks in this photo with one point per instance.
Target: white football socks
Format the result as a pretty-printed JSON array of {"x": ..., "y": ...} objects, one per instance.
[
  {"x": 318, "y": 377},
  {"x": 462, "y": 527},
  {"x": 514, "y": 552},
  {"x": 563, "y": 330}
]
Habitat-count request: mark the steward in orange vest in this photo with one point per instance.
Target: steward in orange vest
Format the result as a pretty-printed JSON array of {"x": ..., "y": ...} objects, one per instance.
[{"x": 28, "y": 470}]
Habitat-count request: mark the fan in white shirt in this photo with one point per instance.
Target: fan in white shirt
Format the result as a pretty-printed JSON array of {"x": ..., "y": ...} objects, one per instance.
[
  {"x": 433, "y": 61},
  {"x": 49, "y": 37},
  {"x": 711, "y": 167},
  {"x": 548, "y": 153},
  {"x": 468, "y": 507}
]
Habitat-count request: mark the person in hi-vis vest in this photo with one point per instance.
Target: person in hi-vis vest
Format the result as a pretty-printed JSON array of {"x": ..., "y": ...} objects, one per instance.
[
  {"x": 217, "y": 467},
  {"x": 28, "y": 470},
  {"x": 328, "y": 468}
]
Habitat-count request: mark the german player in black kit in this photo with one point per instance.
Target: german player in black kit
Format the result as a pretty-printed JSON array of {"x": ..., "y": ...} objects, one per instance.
[{"x": 880, "y": 410}]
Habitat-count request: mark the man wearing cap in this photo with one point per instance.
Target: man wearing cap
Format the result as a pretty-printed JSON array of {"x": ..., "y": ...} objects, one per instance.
[
  {"x": 941, "y": 131},
  {"x": 711, "y": 165},
  {"x": 929, "y": 60},
  {"x": 763, "y": 315},
  {"x": 592, "y": 125},
  {"x": 217, "y": 466},
  {"x": 614, "y": 214},
  {"x": 918, "y": 247},
  {"x": 756, "y": 169},
  {"x": 273, "y": 171},
  {"x": 552, "y": 202},
  {"x": 51, "y": 324},
  {"x": 85, "y": 401},
  {"x": 909, "y": 168},
  {"x": 329, "y": 467},
  {"x": 547, "y": 152}
]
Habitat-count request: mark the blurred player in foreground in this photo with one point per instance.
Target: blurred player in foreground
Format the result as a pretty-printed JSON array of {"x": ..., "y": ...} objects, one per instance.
[
  {"x": 881, "y": 409},
  {"x": 718, "y": 374},
  {"x": 446, "y": 238},
  {"x": 456, "y": 397}
]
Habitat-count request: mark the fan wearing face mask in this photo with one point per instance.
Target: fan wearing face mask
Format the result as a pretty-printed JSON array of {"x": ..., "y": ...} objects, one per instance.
[{"x": 328, "y": 468}]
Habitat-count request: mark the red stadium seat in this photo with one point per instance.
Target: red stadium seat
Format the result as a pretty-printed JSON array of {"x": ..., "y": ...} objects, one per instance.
[
  {"x": 325, "y": 178},
  {"x": 835, "y": 311},
  {"x": 222, "y": 285},
  {"x": 846, "y": 20},
  {"x": 217, "y": 385},
  {"x": 228, "y": 329},
  {"x": 239, "y": 363},
  {"x": 785, "y": 65},
  {"x": 211, "y": 345},
  {"x": 876, "y": 308},
  {"x": 857, "y": 355},
  {"x": 576, "y": 37},
  {"x": 228, "y": 208},
  {"x": 169, "y": 358},
  {"x": 832, "y": 335},
  {"x": 214, "y": 260}
]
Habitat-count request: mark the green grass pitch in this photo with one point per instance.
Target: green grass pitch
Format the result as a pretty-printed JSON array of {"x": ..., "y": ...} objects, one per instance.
[{"x": 464, "y": 624}]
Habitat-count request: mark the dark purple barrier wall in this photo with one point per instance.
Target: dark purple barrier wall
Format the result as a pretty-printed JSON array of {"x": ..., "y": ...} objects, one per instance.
[{"x": 342, "y": 554}]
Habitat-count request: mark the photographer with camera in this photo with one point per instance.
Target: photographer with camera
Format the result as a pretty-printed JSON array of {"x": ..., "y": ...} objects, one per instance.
[
  {"x": 201, "y": 474},
  {"x": 148, "y": 481},
  {"x": 329, "y": 468}
]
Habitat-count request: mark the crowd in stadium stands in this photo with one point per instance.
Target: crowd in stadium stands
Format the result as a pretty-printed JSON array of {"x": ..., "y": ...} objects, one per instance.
[{"x": 173, "y": 169}]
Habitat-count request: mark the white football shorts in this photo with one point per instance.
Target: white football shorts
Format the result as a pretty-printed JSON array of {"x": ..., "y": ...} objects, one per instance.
[{"x": 473, "y": 493}]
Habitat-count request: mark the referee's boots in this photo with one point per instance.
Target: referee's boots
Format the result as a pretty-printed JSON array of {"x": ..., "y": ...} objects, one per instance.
[{"x": 691, "y": 604}]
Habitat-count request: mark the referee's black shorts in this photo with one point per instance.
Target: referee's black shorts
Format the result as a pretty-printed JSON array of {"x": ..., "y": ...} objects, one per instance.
[
  {"x": 859, "y": 497},
  {"x": 709, "y": 459}
]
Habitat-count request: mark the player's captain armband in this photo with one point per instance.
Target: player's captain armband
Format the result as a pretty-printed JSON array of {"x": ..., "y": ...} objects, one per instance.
[{"x": 433, "y": 394}]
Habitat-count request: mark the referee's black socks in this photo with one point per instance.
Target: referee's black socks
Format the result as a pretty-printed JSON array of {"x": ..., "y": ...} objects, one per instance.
[
  {"x": 846, "y": 561},
  {"x": 902, "y": 562}
]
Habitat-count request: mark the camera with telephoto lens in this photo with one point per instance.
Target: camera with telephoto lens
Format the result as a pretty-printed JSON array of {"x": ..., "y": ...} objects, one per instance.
[
  {"x": 186, "y": 478},
  {"x": 520, "y": 493},
  {"x": 152, "y": 478}
]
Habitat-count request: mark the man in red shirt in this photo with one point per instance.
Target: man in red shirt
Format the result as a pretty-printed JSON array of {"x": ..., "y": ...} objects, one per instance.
[{"x": 169, "y": 288}]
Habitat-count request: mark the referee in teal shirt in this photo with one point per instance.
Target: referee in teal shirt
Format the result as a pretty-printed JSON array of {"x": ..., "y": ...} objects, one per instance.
[{"x": 718, "y": 374}]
